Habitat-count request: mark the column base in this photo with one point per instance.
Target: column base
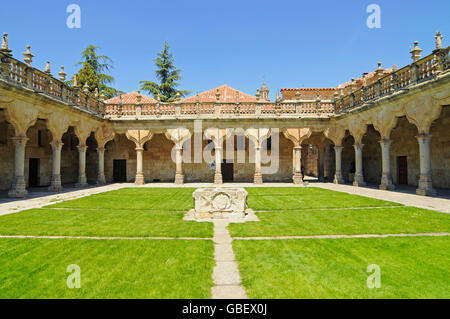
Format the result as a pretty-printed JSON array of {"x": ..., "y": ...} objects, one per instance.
[
  {"x": 139, "y": 179},
  {"x": 18, "y": 188},
  {"x": 101, "y": 180},
  {"x": 179, "y": 179},
  {"x": 426, "y": 187},
  {"x": 258, "y": 180},
  {"x": 297, "y": 179},
  {"x": 55, "y": 184},
  {"x": 338, "y": 179},
  {"x": 386, "y": 183},
  {"x": 359, "y": 181},
  {"x": 218, "y": 179},
  {"x": 82, "y": 182}
]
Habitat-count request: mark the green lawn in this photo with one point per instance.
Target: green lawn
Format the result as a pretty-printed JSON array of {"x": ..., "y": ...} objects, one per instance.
[
  {"x": 316, "y": 268},
  {"x": 327, "y": 268},
  {"x": 298, "y": 198},
  {"x": 160, "y": 199},
  {"x": 105, "y": 223},
  {"x": 345, "y": 221},
  {"x": 36, "y": 268}
]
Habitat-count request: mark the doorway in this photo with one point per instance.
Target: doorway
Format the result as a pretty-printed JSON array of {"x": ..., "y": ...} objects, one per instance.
[
  {"x": 120, "y": 171},
  {"x": 227, "y": 172},
  {"x": 402, "y": 164},
  {"x": 33, "y": 172}
]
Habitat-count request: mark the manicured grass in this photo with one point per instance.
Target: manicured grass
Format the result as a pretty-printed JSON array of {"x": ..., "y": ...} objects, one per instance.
[
  {"x": 161, "y": 199},
  {"x": 278, "y": 199},
  {"x": 36, "y": 268},
  {"x": 102, "y": 222},
  {"x": 346, "y": 221},
  {"x": 327, "y": 268}
]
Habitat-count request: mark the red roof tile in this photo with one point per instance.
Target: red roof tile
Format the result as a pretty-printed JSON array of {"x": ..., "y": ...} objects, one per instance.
[
  {"x": 131, "y": 98},
  {"x": 227, "y": 95}
]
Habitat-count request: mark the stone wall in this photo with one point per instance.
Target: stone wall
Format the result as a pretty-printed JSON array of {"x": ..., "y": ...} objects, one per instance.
[
  {"x": 120, "y": 148},
  {"x": 440, "y": 150},
  {"x": 372, "y": 165},
  {"x": 6, "y": 155}
]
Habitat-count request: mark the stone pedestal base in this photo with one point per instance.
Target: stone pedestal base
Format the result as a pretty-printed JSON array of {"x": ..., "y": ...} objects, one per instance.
[
  {"x": 18, "y": 189},
  {"x": 258, "y": 180},
  {"x": 426, "y": 187},
  {"x": 101, "y": 180},
  {"x": 179, "y": 179},
  {"x": 139, "y": 179},
  {"x": 82, "y": 182},
  {"x": 55, "y": 184},
  {"x": 359, "y": 181},
  {"x": 338, "y": 179},
  {"x": 218, "y": 179},
  {"x": 386, "y": 184},
  {"x": 297, "y": 179}
]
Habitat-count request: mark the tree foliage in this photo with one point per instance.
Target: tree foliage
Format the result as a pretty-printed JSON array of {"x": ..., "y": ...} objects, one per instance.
[
  {"x": 168, "y": 76},
  {"x": 94, "y": 69}
]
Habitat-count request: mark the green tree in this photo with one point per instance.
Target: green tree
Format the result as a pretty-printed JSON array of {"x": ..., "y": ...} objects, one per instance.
[
  {"x": 168, "y": 76},
  {"x": 94, "y": 69}
]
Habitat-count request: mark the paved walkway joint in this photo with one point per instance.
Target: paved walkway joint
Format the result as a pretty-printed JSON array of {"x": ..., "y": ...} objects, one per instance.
[{"x": 226, "y": 276}]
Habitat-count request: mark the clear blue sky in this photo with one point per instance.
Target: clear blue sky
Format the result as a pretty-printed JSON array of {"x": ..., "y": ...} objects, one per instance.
[{"x": 316, "y": 43}]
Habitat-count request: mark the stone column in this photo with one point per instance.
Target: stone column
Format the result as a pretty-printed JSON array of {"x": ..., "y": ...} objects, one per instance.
[
  {"x": 338, "y": 179},
  {"x": 140, "y": 180},
  {"x": 101, "y": 180},
  {"x": 425, "y": 181},
  {"x": 18, "y": 187},
  {"x": 258, "y": 176},
  {"x": 359, "y": 177},
  {"x": 179, "y": 176},
  {"x": 218, "y": 173},
  {"x": 386, "y": 178},
  {"x": 82, "y": 180},
  {"x": 55, "y": 184},
  {"x": 298, "y": 178}
]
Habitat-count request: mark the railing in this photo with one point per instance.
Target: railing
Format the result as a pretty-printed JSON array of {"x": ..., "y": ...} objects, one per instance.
[
  {"x": 19, "y": 73},
  {"x": 417, "y": 72},
  {"x": 23, "y": 75}
]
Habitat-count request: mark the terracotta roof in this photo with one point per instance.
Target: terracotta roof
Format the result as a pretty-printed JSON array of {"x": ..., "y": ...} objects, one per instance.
[
  {"x": 130, "y": 98},
  {"x": 227, "y": 94}
]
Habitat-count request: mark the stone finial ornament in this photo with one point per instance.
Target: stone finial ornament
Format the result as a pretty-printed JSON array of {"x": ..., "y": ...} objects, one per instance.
[
  {"x": 28, "y": 56},
  {"x": 96, "y": 93},
  {"x": 217, "y": 95},
  {"x": 297, "y": 95},
  {"x": 395, "y": 68},
  {"x": 198, "y": 97},
  {"x": 278, "y": 99},
  {"x": 158, "y": 98},
  {"x": 379, "y": 71},
  {"x": 5, "y": 50},
  {"x": 86, "y": 88},
  {"x": 75, "y": 81},
  {"x": 102, "y": 96},
  {"x": 47, "y": 68},
  {"x": 438, "y": 38},
  {"x": 62, "y": 74},
  {"x": 139, "y": 97},
  {"x": 177, "y": 96},
  {"x": 415, "y": 53},
  {"x": 237, "y": 96}
]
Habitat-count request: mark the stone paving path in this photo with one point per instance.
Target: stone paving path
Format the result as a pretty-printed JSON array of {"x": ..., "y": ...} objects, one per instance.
[
  {"x": 101, "y": 238},
  {"x": 226, "y": 276},
  {"x": 344, "y": 236}
]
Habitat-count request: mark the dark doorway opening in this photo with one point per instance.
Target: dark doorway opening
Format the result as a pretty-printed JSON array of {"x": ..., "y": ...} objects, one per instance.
[
  {"x": 33, "y": 172},
  {"x": 402, "y": 164},
  {"x": 227, "y": 172},
  {"x": 120, "y": 171}
]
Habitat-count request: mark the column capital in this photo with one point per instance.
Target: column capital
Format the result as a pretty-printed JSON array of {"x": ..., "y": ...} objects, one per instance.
[
  {"x": 424, "y": 137},
  {"x": 385, "y": 141},
  {"x": 82, "y": 148},
  {"x": 20, "y": 139},
  {"x": 358, "y": 145},
  {"x": 297, "y": 147},
  {"x": 101, "y": 149},
  {"x": 338, "y": 148},
  {"x": 139, "y": 149},
  {"x": 56, "y": 143}
]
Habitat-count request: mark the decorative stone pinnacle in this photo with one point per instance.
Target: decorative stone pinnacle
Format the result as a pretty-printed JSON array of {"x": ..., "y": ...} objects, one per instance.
[
  {"x": 102, "y": 96},
  {"x": 177, "y": 95},
  {"x": 217, "y": 95},
  {"x": 86, "y": 88},
  {"x": 5, "y": 50},
  {"x": 237, "y": 96},
  {"x": 139, "y": 97},
  {"x": 47, "y": 67},
  {"x": 62, "y": 74},
  {"x": 379, "y": 70},
  {"x": 438, "y": 38},
  {"x": 96, "y": 93},
  {"x": 395, "y": 67},
  {"x": 297, "y": 95},
  {"x": 415, "y": 53},
  {"x": 278, "y": 96},
  {"x": 28, "y": 56},
  {"x": 198, "y": 97},
  {"x": 158, "y": 98},
  {"x": 75, "y": 81}
]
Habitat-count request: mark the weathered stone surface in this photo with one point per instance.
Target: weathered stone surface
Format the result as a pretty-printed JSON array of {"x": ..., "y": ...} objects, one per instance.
[{"x": 220, "y": 203}]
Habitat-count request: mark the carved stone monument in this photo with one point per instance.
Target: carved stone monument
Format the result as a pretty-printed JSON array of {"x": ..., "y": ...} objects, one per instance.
[{"x": 219, "y": 203}]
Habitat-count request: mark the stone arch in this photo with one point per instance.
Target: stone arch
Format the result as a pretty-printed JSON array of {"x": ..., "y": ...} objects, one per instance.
[{"x": 372, "y": 166}]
